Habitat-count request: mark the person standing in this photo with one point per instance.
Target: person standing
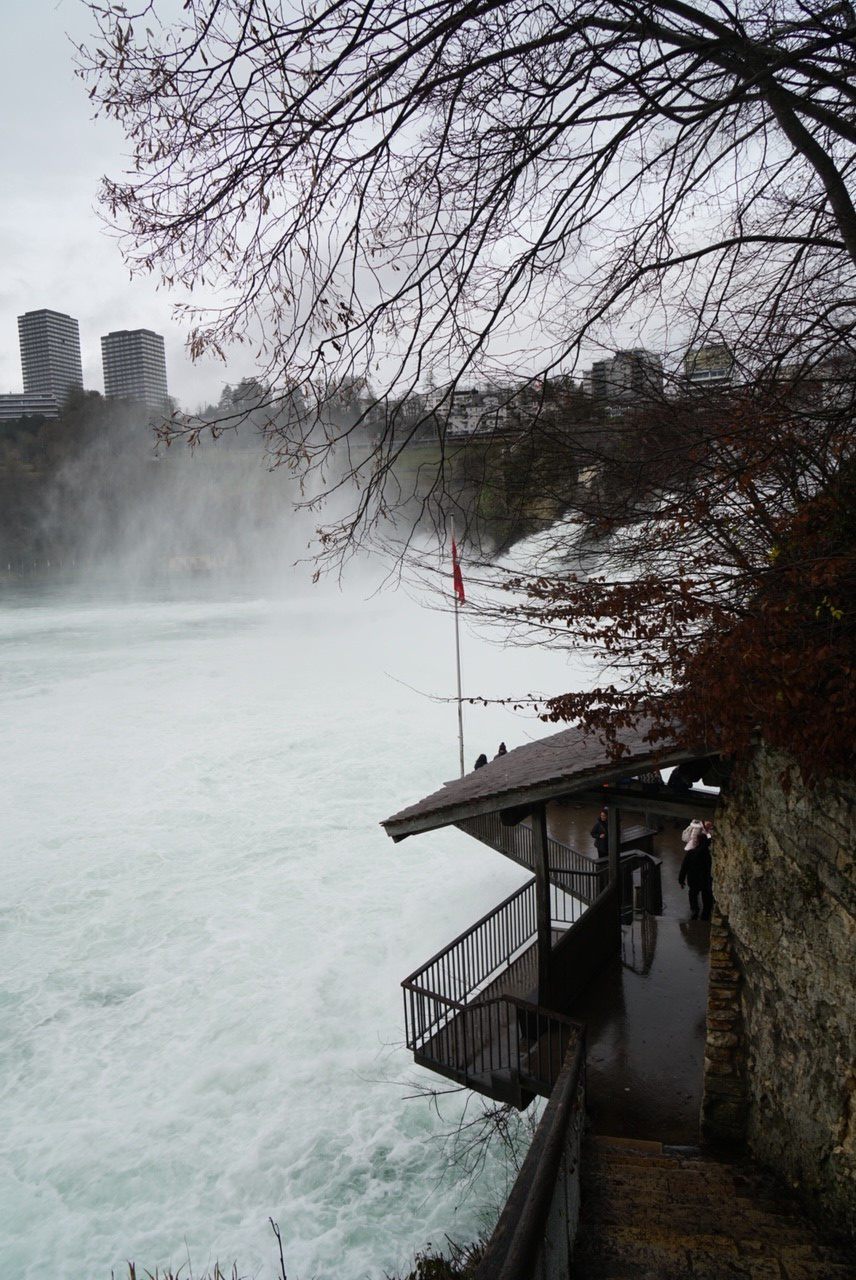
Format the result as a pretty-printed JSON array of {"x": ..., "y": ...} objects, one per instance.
[
  {"x": 600, "y": 835},
  {"x": 696, "y": 873}
]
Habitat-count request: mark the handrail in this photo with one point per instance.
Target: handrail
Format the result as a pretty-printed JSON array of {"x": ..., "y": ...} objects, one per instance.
[
  {"x": 650, "y": 867},
  {"x": 517, "y": 843},
  {"x": 470, "y": 962},
  {"x": 546, "y": 1190},
  {"x": 503, "y": 1037},
  {"x": 457, "y": 1005},
  {"x": 458, "y": 1019},
  {"x": 565, "y": 907},
  {"x": 528, "y": 1007},
  {"x": 438, "y": 989},
  {"x": 507, "y": 997},
  {"x": 485, "y": 919}
]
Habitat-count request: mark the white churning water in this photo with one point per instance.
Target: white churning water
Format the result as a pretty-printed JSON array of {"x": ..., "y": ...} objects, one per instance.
[{"x": 203, "y": 928}]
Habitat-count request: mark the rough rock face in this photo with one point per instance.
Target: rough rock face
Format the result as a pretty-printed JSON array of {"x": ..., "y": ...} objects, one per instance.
[
  {"x": 725, "y": 1101},
  {"x": 785, "y": 881}
]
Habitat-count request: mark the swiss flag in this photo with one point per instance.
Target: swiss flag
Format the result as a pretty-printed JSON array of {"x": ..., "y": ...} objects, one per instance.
[{"x": 457, "y": 577}]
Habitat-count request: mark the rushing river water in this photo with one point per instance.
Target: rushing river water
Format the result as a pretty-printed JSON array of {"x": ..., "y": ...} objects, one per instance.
[{"x": 203, "y": 928}]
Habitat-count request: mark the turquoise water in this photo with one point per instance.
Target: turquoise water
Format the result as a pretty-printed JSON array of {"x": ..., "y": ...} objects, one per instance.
[{"x": 203, "y": 928}]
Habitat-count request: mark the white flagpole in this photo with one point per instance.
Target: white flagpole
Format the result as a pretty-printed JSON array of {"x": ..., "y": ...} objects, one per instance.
[{"x": 458, "y": 661}]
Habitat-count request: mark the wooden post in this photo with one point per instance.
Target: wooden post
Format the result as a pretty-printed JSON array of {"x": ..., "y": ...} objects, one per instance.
[
  {"x": 613, "y": 837},
  {"x": 542, "y": 899}
]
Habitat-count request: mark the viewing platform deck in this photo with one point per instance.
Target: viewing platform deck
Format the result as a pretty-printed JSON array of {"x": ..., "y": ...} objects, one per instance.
[
  {"x": 500, "y": 1043},
  {"x": 473, "y": 1012}
]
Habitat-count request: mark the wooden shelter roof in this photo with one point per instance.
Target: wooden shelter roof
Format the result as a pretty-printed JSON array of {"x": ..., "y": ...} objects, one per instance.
[{"x": 559, "y": 765}]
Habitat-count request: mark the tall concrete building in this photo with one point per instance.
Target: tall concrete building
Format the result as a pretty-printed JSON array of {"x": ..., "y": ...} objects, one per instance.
[
  {"x": 629, "y": 378},
  {"x": 135, "y": 366},
  {"x": 50, "y": 353}
]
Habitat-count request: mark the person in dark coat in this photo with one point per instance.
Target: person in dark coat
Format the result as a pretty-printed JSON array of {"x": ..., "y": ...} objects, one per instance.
[
  {"x": 696, "y": 874},
  {"x": 481, "y": 762},
  {"x": 600, "y": 835},
  {"x": 502, "y": 750}
]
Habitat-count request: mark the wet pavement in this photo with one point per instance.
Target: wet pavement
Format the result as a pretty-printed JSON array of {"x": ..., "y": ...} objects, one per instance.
[{"x": 645, "y": 1013}]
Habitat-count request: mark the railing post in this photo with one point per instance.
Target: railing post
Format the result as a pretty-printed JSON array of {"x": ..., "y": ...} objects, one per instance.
[
  {"x": 613, "y": 838},
  {"x": 542, "y": 898}
]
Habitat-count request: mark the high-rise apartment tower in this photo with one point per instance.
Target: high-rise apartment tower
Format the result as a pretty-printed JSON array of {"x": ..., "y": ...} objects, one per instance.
[
  {"x": 50, "y": 353},
  {"x": 135, "y": 366},
  {"x": 628, "y": 378}
]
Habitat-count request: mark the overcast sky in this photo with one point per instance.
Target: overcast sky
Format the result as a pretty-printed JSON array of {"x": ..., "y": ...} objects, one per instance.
[{"x": 53, "y": 248}]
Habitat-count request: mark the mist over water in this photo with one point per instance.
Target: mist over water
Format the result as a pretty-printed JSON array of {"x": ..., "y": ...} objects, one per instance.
[{"x": 203, "y": 928}]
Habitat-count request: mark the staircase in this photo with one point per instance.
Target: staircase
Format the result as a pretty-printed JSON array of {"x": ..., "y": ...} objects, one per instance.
[{"x": 652, "y": 1212}]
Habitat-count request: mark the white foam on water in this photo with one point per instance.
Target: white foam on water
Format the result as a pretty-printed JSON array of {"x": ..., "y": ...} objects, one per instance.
[{"x": 203, "y": 928}]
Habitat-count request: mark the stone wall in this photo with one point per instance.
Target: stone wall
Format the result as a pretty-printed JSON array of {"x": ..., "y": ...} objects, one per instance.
[
  {"x": 785, "y": 884},
  {"x": 725, "y": 1101}
]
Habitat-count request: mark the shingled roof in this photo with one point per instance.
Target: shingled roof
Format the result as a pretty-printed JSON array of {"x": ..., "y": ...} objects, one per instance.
[{"x": 558, "y": 765}]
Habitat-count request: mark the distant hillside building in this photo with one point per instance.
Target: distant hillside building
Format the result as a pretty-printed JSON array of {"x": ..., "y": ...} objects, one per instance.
[
  {"x": 28, "y": 404},
  {"x": 471, "y": 411},
  {"x": 627, "y": 378},
  {"x": 706, "y": 366},
  {"x": 50, "y": 353},
  {"x": 135, "y": 367}
]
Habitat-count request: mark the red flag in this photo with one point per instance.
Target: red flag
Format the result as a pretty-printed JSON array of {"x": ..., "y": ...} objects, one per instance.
[{"x": 457, "y": 577}]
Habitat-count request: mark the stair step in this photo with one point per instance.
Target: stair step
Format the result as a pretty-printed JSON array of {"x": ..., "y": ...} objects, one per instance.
[{"x": 653, "y": 1212}]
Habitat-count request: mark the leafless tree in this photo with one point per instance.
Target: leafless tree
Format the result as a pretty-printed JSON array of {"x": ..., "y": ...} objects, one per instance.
[
  {"x": 393, "y": 190},
  {"x": 393, "y": 194}
]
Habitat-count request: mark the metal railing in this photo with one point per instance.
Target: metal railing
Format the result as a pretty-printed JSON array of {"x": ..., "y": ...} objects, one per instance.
[
  {"x": 576, "y": 873},
  {"x": 534, "y": 1237},
  {"x": 478, "y": 956},
  {"x": 566, "y": 907},
  {"x": 464, "y": 1009},
  {"x": 500, "y": 1037},
  {"x": 647, "y": 895}
]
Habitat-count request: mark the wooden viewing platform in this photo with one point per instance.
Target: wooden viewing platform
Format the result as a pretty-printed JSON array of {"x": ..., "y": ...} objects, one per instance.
[
  {"x": 501, "y": 1043},
  {"x": 474, "y": 1013},
  {"x": 492, "y": 1012},
  {"x": 491, "y": 1009}
]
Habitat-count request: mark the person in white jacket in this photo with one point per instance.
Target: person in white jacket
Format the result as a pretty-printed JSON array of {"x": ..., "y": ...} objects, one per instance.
[
  {"x": 696, "y": 870},
  {"x": 692, "y": 833}
]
